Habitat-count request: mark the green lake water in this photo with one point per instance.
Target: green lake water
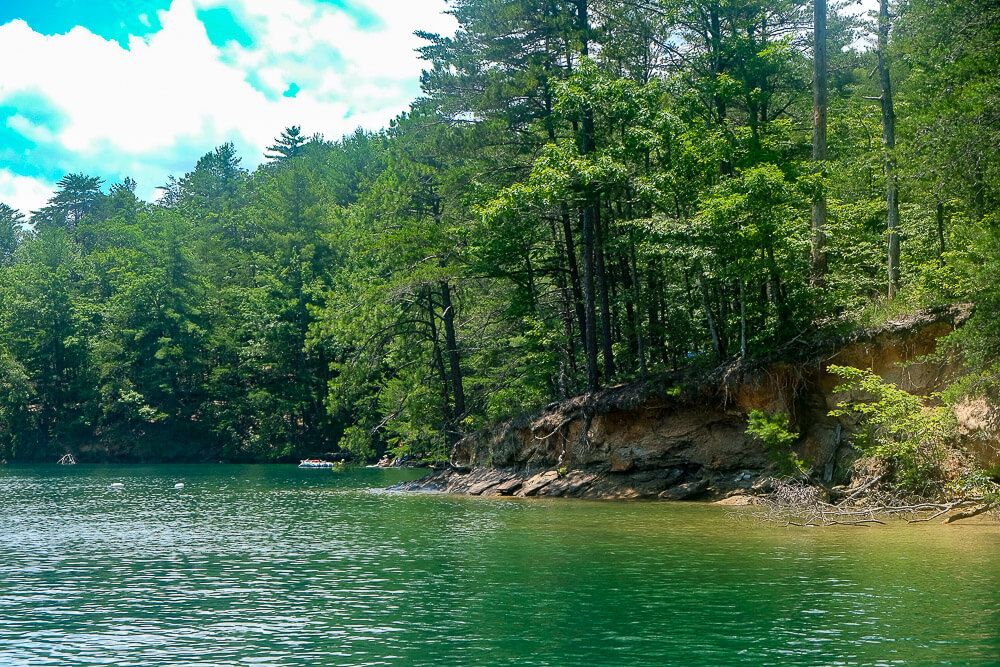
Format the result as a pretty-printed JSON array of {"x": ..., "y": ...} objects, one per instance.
[{"x": 257, "y": 565}]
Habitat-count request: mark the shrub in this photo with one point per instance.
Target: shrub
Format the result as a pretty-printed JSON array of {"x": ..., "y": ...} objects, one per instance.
[
  {"x": 773, "y": 430},
  {"x": 898, "y": 428}
]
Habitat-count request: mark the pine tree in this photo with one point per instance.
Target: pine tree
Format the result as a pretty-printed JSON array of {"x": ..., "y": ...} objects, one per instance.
[
  {"x": 76, "y": 195},
  {"x": 11, "y": 223},
  {"x": 287, "y": 146}
]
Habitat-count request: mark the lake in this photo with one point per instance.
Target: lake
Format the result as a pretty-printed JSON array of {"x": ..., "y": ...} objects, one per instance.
[{"x": 271, "y": 565}]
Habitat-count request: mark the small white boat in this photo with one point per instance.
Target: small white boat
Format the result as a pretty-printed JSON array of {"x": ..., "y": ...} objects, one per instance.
[
  {"x": 316, "y": 463},
  {"x": 117, "y": 486},
  {"x": 179, "y": 486}
]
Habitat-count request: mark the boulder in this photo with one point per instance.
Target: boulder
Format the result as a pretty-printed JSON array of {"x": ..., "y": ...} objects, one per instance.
[
  {"x": 621, "y": 460},
  {"x": 480, "y": 487},
  {"x": 685, "y": 491},
  {"x": 508, "y": 488},
  {"x": 740, "y": 500},
  {"x": 538, "y": 482},
  {"x": 572, "y": 484}
]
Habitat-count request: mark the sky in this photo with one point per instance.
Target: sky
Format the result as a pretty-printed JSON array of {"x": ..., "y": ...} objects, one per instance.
[{"x": 143, "y": 88}]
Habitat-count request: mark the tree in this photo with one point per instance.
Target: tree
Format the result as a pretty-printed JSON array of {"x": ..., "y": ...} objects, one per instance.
[
  {"x": 589, "y": 192},
  {"x": 11, "y": 226},
  {"x": 819, "y": 154},
  {"x": 288, "y": 145},
  {"x": 889, "y": 139},
  {"x": 47, "y": 326},
  {"x": 75, "y": 196}
]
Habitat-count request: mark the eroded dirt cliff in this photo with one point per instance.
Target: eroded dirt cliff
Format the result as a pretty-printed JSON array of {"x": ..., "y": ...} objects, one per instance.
[{"x": 674, "y": 438}]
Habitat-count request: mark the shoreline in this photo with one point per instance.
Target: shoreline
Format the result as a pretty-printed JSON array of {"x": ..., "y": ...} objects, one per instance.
[{"x": 776, "y": 500}]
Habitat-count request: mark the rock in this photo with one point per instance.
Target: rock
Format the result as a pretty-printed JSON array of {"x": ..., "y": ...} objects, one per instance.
[
  {"x": 621, "y": 460},
  {"x": 685, "y": 491},
  {"x": 671, "y": 476},
  {"x": 480, "y": 487},
  {"x": 507, "y": 488},
  {"x": 979, "y": 430},
  {"x": 436, "y": 482},
  {"x": 625, "y": 431},
  {"x": 538, "y": 482},
  {"x": 459, "y": 483},
  {"x": 659, "y": 479},
  {"x": 571, "y": 485},
  {"x": 741, "y": 500}
]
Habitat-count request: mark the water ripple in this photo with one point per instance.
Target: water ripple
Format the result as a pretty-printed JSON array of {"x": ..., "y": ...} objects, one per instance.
[{"x": 274, "y": 566}]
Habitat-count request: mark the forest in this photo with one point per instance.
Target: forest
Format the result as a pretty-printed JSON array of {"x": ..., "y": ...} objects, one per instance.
[{"x": 587, "y": 193}]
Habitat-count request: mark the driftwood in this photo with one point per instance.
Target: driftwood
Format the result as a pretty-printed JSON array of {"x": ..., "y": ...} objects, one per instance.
[
  {"x": 968, "y": 514},
  {"x": 797, "y": 504}
]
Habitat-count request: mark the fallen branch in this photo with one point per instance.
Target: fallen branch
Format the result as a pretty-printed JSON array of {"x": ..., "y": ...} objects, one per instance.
[
  {"x": 861, "y": 489},
  {"x": 968, "y": 514},
  {"x": 944, "y": 509},
  {"x": 797, "y": 504},
  {"x": 860, "y": 522}
]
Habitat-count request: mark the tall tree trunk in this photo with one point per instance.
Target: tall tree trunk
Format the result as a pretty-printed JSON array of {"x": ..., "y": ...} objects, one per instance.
[
  {"x": 889, "y": 138},
  {"x": 778, "y": 293},
  {"x": 743, "y": 318},
  {"x": 607, "y": 337},
  {"x": 637, "y": 299},
  {"x": 715, "y": 46},
  {"x": 656, "y": 342},
  {"x": 590, "y": 305},
  {"x": 713, "y": 329},
  {"x": 587, "y": 141},
  {"x": 454, "y": 358},
  {"x": 570, "y": 246},
  {"x": 454, "y": 375},
  {"x": 940, "y": 232},
  {"x": 819, "y": 152},
  {"x": 567, "y": 304},
  {"x": 574, "y": 275},
  {"x": 448, "y": 414},
  {"x": 629, "y": 327}
]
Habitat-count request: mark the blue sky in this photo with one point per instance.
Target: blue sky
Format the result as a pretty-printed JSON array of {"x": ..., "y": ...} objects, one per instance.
[{"x": 142, "y": 88}]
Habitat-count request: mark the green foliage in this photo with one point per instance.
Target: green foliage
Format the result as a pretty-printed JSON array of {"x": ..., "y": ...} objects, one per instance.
[
  {"x": 627, "y": 191},
  {"x": 773, "y": 430},
  {"x": 896, "y": 427},
  {"x": 11, "y": 230},
  {"x": 16, "y": 423}
]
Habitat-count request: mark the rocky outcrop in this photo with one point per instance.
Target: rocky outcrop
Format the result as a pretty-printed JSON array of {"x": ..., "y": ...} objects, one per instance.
[
  {"x": 682, "y": 438},
  {"x": 979, "y": 429},
  {"x": 672, "y": 483}
]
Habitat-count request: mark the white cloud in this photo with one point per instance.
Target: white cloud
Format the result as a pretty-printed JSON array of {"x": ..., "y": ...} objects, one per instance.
[
  {"x": 23, "y": 193},
  {"x": 153, "y": 108},
  {"x": 29, "y": 129}
]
